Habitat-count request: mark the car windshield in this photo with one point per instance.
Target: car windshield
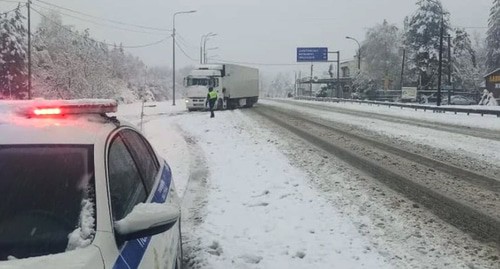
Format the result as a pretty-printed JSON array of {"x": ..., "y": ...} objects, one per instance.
[
  {"x": 43, "y": 190},
  {"x": 198, "y": 82}
]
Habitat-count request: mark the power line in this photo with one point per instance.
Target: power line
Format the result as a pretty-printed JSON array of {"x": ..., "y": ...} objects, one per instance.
[
  {"x": 104, "y": 43},
  {"x": 99, "y": 24},
  {"x": 104, "y": 19},
  {"x": 184, "y": 42},
  {"x": 183, "y": 52}
]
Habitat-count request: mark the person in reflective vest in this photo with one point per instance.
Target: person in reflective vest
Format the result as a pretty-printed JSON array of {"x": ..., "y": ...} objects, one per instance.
[{"x": 211, "y": 101}]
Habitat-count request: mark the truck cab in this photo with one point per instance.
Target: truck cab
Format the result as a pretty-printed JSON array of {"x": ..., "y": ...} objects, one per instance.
[
  {"x": 197, "y": 83},
  {"x": 235, "y": 85}
]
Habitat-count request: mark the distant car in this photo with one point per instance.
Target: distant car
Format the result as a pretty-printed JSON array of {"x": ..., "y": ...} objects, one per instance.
[
  {"x": 82, "y": 189},
  {"x": 459, "y": 100}
]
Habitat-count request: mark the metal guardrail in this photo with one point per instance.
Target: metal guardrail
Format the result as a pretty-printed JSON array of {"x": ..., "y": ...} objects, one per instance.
[{"x": 434, "y": 109}]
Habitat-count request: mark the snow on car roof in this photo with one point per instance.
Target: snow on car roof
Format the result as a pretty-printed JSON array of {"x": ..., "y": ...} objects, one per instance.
[{"x": 17, "y": 128}]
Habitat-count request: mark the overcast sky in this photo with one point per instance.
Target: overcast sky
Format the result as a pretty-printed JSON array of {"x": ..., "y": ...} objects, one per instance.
[{"x": 255, "y": 31}]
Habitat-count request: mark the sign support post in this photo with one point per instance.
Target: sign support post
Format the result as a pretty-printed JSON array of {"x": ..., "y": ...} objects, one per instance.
[{"x": 319, "y": 54}]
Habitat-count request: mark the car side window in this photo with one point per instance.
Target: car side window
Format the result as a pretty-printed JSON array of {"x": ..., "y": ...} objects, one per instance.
[
  {"x": 126, "y": 187},
  {"x": 144, "y": 157}
]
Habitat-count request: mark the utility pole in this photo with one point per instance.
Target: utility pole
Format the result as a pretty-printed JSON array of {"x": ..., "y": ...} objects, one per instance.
[
  {"x": 449, "y": 69},
  {"x": 338, "y": 74},
  {"x": 29, "y": 48},
  {"x": 440, "y": 69},
  {"x": 173, "y": 52},
  {"x": 403, "y": 69},
  {"x": 173, "y": 63},
  {"x": 311, "y": 81},
  {"x": 359, "y": 51},
  {"x": 295, "y": 85},
  {"x": 338, "y": 71},
  {"x": 201, "y": 53}
]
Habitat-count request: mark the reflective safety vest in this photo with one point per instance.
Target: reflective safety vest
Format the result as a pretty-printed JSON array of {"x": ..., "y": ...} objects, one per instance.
[{"x": 212, "y": 95}]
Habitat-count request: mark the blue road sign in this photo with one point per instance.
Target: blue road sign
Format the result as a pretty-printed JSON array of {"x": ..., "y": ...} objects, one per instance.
[{"x": 312, "y": 54}]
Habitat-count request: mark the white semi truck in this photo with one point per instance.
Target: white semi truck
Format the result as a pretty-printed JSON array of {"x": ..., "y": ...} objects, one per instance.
[{"x": 236, "y": 86}]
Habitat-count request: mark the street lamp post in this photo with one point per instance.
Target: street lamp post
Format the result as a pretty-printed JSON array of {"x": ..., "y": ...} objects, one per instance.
[
  {"x": 207, "y": 58},
  {"x": 359, "y": 51},
  {"x": 207, "y": 37},
  {"x": 440, "y": 67},
  {"x": 202, "y": 43},
  {"x": 173, "y": 52}
]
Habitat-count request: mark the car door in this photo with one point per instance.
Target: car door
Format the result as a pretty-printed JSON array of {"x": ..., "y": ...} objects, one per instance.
[
  {"x": 126, "y": 190},
  {"x": 152, "y": 179}
]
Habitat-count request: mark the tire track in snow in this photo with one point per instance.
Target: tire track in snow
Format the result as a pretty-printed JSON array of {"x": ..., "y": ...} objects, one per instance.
[
  {"x": 476, "y": 132},
  {"x": 194, "y": 200},
  {"x": 471, "y": 219}
]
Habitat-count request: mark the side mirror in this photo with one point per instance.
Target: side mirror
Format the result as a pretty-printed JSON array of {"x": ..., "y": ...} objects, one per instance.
[{"x": 147, "y": 220}]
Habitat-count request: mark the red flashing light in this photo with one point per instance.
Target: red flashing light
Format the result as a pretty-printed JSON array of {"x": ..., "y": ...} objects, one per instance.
[
  {"x": 47, "y": 111},
  {"x": 58, "y": 108}
]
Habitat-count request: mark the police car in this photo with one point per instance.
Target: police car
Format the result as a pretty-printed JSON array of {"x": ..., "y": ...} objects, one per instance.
[{"x": 82, "y": 189}]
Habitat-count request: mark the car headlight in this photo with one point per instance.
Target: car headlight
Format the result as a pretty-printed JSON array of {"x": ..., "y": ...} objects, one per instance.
[{"x": 187, "y": 100}]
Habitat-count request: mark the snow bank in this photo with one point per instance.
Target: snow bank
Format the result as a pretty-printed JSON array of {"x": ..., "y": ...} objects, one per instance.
[{"x": 84, "y": 235}]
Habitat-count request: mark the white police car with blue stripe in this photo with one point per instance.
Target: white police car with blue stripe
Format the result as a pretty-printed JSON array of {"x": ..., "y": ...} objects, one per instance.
[{"x": 81, "y": 189}]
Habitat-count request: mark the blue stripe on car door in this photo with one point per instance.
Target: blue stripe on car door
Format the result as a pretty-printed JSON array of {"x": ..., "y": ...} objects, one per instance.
[{"x": 133, "y": 251}]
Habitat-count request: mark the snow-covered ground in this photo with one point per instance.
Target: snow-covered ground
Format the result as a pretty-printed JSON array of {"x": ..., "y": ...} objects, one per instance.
[
  {"x": 480, "y": 149},
  {"x": 461, "y": 119},
  {"x": 260, "y": 211},
  {"x": 251, "y": 204}
]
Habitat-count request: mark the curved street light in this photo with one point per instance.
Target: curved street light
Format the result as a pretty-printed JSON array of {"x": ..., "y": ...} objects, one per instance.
[
  {"x": 202, "y": 44},
  {"x": 173, "y": 52},
  {"x": 359, "y": 51},
  {"x": 205, "y": 46}
]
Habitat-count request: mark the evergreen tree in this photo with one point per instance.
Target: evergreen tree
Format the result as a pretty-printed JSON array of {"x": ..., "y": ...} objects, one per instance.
[
  {"x": 422, "y": 41},
  {"x": 13, "y": 74},
  {"x": 466, "y": 74},
  {"x": 493, "y": 38}
]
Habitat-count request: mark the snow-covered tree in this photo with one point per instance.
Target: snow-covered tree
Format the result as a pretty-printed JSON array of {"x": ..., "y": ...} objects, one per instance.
[
  {"x": 381, "y": 54},
  {"x": 72, "y": 64},
  {"x": 365, "y": 85},
  {"x": 493, "y": 38},
  {"x": 422, "y": 41},
  {"x": 466, "y": 73},
  {"x": 13, "y": 72},
  {"x": 479, "y": 46},
  {"x": 280, "y": 86}
]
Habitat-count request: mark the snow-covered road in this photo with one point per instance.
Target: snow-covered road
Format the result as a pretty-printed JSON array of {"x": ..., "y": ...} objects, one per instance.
[{"x": 259, "y": 198}]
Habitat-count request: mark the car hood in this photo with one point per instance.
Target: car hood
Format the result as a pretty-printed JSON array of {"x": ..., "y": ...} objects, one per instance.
[{"x": 89, "y": 257}]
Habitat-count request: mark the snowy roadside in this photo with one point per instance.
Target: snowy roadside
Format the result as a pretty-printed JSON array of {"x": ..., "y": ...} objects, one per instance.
[
  {"x": 473, "y": 120},
  {"x": 260, "y": 211},
  {"x": 260, "y": 208},
  {"x": 477, "y": 148}
]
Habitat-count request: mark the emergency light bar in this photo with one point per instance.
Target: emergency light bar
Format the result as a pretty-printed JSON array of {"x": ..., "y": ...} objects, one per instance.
[
  {"x": 42, "y": 108},
  {"x": 47, "y": 111}
]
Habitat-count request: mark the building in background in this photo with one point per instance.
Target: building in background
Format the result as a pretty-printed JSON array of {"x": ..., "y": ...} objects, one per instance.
[{"x": 493, "y": 82}]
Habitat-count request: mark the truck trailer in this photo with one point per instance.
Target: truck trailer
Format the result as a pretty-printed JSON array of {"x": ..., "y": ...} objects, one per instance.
[{"x": 236, "y": 86}]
